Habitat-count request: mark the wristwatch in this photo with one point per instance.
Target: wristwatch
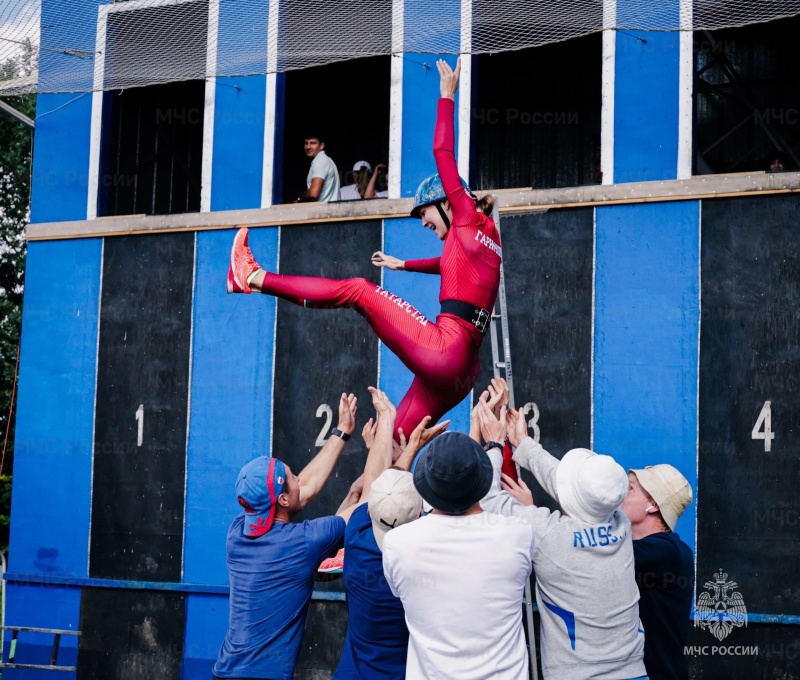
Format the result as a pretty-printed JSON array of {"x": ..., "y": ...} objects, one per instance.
[
  {"x": 492, "y": 445},
  {"x": 336, "y": 432}
]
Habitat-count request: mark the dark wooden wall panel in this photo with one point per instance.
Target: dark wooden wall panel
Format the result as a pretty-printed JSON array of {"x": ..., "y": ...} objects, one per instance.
[
  {"x": 547, "y": 260},
  {"x": 748, "y": 514},
  {"x": 321, "y": 353},
  {"x": 138, "y": 487},
  {"x": 131, "y": 635}
]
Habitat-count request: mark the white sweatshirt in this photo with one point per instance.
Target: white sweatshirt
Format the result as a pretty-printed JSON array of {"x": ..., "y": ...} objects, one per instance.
[
  {"x": 461, "y": 580},
  {"x": 585, "y": 587}
]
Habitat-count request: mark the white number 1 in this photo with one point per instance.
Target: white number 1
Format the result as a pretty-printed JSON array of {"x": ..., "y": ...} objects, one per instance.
[
  {"x": 765, "y": 419},
  {"x": 140, "y": 421}
]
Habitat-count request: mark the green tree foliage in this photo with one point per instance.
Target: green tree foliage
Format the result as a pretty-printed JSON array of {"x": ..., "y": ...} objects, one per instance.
[{"x": 16, "y": 145}]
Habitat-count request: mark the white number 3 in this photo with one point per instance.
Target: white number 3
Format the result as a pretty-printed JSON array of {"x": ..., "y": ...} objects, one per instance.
[
  {"x": 765, "y": 420},
  {"x": 533, "y": 423}
]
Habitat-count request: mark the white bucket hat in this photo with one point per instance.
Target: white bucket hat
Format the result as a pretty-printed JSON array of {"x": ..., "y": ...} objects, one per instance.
[
  {"x": 393, "y": 501},
  {"x": 668, "y": 488},
  {"x": 590, "y": 487}
]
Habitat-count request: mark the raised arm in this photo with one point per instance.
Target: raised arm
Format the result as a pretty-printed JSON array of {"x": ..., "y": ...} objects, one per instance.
[
  {"x": 444, "y": 143},
  {"x": 369, "y": 192},
  {"x": 379, "y": 457},
  {"x": 314, "y": 475},
  {"x": 530, "y": 454}
]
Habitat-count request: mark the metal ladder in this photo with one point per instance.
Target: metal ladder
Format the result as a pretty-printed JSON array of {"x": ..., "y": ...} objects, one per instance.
[
  {"x": 501, "y": 343},
  {"x": 55, "y": 632}
]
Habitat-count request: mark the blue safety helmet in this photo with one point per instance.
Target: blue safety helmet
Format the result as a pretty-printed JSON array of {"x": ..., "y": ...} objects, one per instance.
[{"x": 431, "y": 191}]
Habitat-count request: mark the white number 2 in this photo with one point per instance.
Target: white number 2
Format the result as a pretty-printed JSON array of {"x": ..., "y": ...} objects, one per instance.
[
  {"x": 765, "y": 420},
  {"x": 327, "y": 411},
  {"x": 140, "y": 426},
  {"x": 534, "y": 421}
]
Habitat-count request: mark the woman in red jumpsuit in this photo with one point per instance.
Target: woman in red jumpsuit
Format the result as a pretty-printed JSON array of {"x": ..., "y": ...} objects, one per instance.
[{"x": 442, "y": 355}]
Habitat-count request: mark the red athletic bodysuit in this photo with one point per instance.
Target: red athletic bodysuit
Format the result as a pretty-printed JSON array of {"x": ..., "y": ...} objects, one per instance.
[{"x": 443, "y": 355}]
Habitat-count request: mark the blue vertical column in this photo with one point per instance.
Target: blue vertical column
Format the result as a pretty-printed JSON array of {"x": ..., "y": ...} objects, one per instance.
[
  {"x": 239, "y": 107},
  {"x": 647, "y": 311},
  {"x": 232, "y": 338},
  {"x": 646, "y": 94},
  {"x": 53, "y": 446},
  {"x": 54, "y": 435},
  {"x": 647, "y": 296},
  {"x": 405, "y": 238}
]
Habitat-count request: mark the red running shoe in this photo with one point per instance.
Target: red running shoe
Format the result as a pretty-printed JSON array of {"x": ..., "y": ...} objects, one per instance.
[
  {"x": 333, "y": 565},
  {"x": 242, "y": 264}
]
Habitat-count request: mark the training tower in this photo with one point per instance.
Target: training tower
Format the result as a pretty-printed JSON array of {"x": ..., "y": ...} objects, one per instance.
[{"x": 652, "y": 275}]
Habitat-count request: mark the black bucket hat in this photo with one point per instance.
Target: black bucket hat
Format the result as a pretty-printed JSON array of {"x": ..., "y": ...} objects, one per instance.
[{"x": 453, "y": 473}]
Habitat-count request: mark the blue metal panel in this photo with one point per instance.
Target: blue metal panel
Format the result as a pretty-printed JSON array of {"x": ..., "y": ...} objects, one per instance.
[
  {"x": 239, "y": 107},
  {"x": 231, "y": 397},
  {"x": 61, "y": 157},
  {"x": 238, "y": 143},
  {"x": 61, "y": 151},
  {"x": 647, "y": 304},
  {"x": 421, "y": 87},
  {"x": 53, "y": 458},
  {"x": 406, "y": 239},
  {"x": 646, "y": 106},
  {"x": 206, "y": 624},
  {"x": 41, "y": 607}
]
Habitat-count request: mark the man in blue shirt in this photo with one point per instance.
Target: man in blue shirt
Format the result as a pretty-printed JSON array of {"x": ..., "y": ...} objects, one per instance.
[
  {"x": 272, "y": 562},
  {"x": 376, "y": 644},
  {"x": 664, "y": 566}
]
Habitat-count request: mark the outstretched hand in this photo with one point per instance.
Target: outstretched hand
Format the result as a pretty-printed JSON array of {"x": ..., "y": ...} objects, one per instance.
[
  {"x": 380, "y": 259},
  {"x": 492, "y": 427},
  {"x": 499, "y": 395},
  {"x": 421, "y": 435},
  {"x": 448, "y": 78},
  {"x": 347, "y": 413},
  {"x": 383, "y": 407},
  {"x": 518, "y": 489},
  {"x": 517, "y": 427},
  {"x": 368, "y": 432}
]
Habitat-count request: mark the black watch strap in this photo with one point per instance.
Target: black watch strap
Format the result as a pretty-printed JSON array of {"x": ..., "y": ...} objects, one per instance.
[
  {"x": 492, "y": 445},
  {"x": 336, "y": 432}
]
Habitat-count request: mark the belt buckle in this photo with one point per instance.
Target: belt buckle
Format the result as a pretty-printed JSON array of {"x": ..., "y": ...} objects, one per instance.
[{"x": 482, "y": 320}]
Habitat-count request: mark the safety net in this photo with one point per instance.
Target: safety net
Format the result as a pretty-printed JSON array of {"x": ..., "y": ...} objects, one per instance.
[{"x": 52, "y": 46}]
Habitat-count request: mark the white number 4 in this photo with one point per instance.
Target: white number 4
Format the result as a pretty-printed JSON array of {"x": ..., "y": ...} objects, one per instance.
[{"x": 765, "y": 420}]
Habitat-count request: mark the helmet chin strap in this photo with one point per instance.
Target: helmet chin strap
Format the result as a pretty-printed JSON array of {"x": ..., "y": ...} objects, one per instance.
[{"x": 442, "y": 214}]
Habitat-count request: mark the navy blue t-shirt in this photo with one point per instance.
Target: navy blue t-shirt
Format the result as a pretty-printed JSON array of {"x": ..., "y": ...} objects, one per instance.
[
  {"x": 664, "y": 567},
  {"x": 376, "y": 644},
  {"x": 272, "y": 578}
]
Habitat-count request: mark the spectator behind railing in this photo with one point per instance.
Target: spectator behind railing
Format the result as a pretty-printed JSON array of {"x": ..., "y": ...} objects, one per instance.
[{"x": 323, "y": 175}]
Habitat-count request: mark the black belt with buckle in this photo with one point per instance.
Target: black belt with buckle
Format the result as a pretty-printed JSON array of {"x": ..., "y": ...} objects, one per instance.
[{"x": 475, "y": 315}]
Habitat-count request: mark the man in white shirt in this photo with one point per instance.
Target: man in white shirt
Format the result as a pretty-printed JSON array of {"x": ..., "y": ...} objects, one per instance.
[
  {"x": 459, "y": 572},
  {"x": 323, "y": 176}
]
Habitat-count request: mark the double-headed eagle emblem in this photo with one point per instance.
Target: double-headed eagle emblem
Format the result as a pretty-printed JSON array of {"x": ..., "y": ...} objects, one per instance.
[{"x": 721, "y": 609}]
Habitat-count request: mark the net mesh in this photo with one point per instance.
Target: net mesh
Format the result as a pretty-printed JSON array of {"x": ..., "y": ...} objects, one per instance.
[{"x": 52, "y": 46}]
